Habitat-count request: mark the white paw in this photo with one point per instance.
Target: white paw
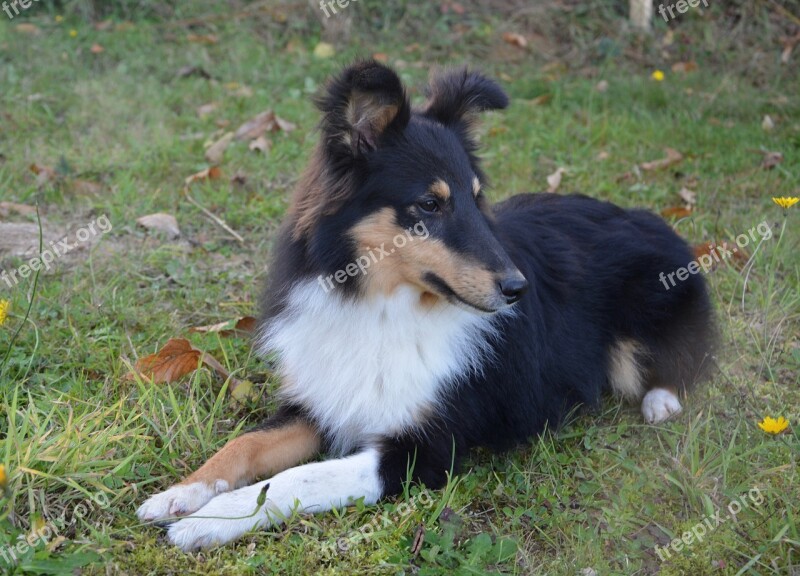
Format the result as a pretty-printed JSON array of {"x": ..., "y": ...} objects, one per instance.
[
  {"x": 180, "y": 500},
  {"x": 659, "y": 405},
  {"x": 224, "y": 519}
]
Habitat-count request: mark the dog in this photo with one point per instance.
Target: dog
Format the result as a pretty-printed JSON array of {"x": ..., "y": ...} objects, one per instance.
[{"x": 484, "y": 326}]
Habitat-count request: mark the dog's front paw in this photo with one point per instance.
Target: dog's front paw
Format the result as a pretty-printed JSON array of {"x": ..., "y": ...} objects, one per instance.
[
  {"x": 180, "y": 500},
  {"x": 660, "y": 405},
  {"x": 224, "y": 519}
]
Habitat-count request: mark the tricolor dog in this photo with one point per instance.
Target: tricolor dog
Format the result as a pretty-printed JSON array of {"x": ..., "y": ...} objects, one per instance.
[{"x": 490, "y": 326}]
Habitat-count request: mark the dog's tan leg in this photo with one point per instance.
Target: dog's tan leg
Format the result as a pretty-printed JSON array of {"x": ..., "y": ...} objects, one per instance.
[{"x": 261, "y": 453}]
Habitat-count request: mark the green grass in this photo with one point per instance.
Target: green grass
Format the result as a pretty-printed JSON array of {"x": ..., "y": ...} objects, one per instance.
[{"x": 601, "y": 493}]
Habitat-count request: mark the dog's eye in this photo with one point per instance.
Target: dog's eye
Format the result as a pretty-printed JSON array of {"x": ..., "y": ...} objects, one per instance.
[{"x": 429, "y": 206}]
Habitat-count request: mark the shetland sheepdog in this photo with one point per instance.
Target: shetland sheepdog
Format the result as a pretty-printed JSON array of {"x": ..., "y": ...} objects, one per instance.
[{"x": 412, "y": 320}]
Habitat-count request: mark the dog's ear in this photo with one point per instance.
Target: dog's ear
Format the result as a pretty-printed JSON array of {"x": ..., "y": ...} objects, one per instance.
[
  {"x": 458, "y": 95},
  {"x": 360, "y": 106}
]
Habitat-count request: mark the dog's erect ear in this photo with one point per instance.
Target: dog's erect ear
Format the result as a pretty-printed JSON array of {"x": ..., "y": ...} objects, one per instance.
[
  {"x": 361, "y": 105},
  {"x": 458, "y": 95}
]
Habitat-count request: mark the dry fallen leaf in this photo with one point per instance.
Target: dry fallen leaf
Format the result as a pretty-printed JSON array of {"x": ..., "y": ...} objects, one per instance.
[
  {"x": 515, "y": 39},
  {"x": 240, "y": 90},
  {"x": 554, "y": 180},
  {"x": 767, "y": 124},
  {"x": 266, "y": 121},
  {"x": 381, "y": 57},
  {"x": 188, "y": 71},
  {"x": 244, "y": 326},
  {"x": 206, "y": 109},
  {"x": 260, "y": 144},
  {"x": 676, "y": 212},
  {"x": 178, "y": 358},
  {"x": 216, "y": 151},
  {"x": 673, "y": 157},
  {"x": 602, "y": 155},
  {"x": 324, "y": 50},
  {"x": 211, "y": 173},
  {"x": 257, "y": 126},
  {"x": 97, "y": 49},
  {"x": 285, "y": 125},
  {"x": 7, "y": 208},
  {"x": 719, "y": 253},
  {"x": 28, "y": 28},
  {"x": 161, "y": 222},
  {"x": 602, "y": 86},
  {"x": 44, "y": 174},
  {"x": 86, "y": 187},
  {"x": 202, "y": 38},
  {"x": 540, "y": 100},
  {"x": 684, "y": 67},
  {"x": 688, "y": 196},
  {"x": 771, "y": 159}
]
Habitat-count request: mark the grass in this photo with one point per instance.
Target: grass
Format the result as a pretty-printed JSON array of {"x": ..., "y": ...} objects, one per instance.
[{"x": 601, "y": 493}]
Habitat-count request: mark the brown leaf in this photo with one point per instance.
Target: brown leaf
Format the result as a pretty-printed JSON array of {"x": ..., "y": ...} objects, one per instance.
[
  {"x": 285, "y": 125},
  {"x": 381, "y": 57},
  {"x": 7, "y": 208},
  {"x": 86, "y": 187},
  {"x": 211, "y": 173},
  {"x": 206, "y": 109},
  {"x": 188, "y": 71},
  {"x": 257, "y": 126},
  {"x": 673, "y": 157},
  {"x": 688, "y": 196},
  {"x": 261, "y": 144},
  {"x": 721, "y": 253},
  {"x": 684, "y": 67},
  {"x": 419, "y": 540},
  {"x": 242, "y": 327},
  {"x": 540, "y": 100},
  {"x": 216, "y": 151},
  {"x": 771, "y": 159},
  {"x": 161, "y": 222},
  {"x": 676, "y": 212},
  {"x": 178, "y": 358},
  {"x": 97, "y": 49},
  {"x": 515, "y": 39},
  {"x": 28, "y": 29},
  {"x": 554, "y": 180},
  {"x": 202, "y": 38},
  {"x": 240, "y": 90}
]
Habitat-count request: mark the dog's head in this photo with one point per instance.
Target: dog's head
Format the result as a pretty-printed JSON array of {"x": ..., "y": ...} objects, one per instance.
[{"x": 403, "y": 190}]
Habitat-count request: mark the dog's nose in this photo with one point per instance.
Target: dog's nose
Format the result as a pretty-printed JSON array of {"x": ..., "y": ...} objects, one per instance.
[{"x": 513, "y": 286}]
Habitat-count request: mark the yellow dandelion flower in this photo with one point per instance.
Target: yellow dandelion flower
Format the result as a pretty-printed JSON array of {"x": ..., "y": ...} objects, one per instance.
[
  {"x": 4, "y": 306},
  {"x": 59, "y": 18},
  {"x": 772, "y": 425},
  {"x": 3, "y": 479},
  {"x": 786, "y": 202},
  {"x": 657, "y": 75},
  {"x": 73, "y": 33}
]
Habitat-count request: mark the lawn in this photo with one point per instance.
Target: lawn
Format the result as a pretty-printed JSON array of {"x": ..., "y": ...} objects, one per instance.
[{"x": 103, "y": 117}]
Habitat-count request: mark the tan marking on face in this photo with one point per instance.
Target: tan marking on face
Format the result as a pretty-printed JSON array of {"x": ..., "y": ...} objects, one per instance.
[
  {"x": 428, "y": 299},
  {"x": 409, "y": 263},
  {"x": 259, "y": 454},
  {"x": 441, "y": 190},
  {"x": 476, "y": 186}
]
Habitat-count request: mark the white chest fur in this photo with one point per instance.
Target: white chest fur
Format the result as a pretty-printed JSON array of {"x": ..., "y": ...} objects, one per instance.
[{"x": 366, "y": 369}]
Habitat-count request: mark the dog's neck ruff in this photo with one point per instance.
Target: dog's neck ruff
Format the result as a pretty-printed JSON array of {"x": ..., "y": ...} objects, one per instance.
[{"x": 370, "y": 368}]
